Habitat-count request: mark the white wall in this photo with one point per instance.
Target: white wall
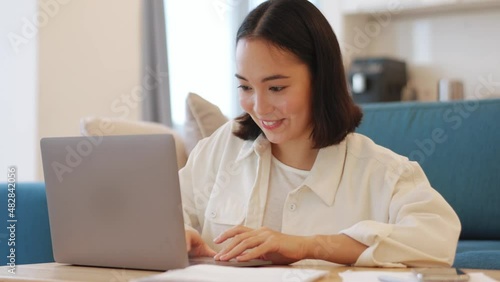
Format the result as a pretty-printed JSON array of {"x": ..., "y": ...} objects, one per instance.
[
  {"x": 200, "y": 55},
  {"x": 332, "y": 12},
  {"x": 89, "y": 65},
  {"x": 18, "y": 88},
  {"x": 459, "y": 45}
]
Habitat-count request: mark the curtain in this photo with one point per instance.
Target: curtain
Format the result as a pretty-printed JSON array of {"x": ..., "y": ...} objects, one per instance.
[{"x": 155, "y": 78}]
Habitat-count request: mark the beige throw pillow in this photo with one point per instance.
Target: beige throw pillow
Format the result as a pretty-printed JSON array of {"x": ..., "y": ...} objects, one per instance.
[
  {"x": 95, "y": 126},
  {"x": 202, "y": 119}
]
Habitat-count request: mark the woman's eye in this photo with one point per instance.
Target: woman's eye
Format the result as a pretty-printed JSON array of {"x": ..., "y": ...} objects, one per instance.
[
  {"x": 244, "y": 87},
  {"x": 276, "y": 88}
]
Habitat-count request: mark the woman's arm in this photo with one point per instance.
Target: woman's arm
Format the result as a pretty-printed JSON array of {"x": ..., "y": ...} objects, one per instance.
[
  {"x": 339, "y": 248},
  {"x": 421, "y": 230},
  {"x": 264, "y": 243}
]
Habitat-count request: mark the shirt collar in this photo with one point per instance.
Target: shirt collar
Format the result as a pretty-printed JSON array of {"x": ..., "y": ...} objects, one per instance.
[
  {"x": 326, "y": 173},
  {"x": 259, "y": 146}
]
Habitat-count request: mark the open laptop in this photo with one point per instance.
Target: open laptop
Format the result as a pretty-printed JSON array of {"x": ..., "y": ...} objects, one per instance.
[{"x": 114, "y": 201}]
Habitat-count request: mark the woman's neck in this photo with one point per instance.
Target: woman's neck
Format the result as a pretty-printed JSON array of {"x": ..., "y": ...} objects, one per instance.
[{"x": 299, "y": 155}]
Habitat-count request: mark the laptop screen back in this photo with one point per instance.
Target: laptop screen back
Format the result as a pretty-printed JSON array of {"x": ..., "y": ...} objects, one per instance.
[{"x": 114, "y": 201}]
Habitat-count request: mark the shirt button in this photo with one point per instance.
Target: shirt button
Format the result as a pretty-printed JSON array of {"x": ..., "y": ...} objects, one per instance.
[
  {"x": 213, "y": 214},
  {"x": 293, "y": 207}
]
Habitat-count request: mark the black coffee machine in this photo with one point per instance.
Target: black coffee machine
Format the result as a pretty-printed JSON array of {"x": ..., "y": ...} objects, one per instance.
[{"x": 377, "y": 80}]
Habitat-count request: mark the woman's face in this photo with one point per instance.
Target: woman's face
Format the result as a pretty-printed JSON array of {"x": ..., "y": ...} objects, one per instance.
[{"x": 275, "y": 89}]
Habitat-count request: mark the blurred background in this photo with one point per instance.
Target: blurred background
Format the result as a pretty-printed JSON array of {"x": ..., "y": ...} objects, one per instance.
[{"x": 62, "y": 60}]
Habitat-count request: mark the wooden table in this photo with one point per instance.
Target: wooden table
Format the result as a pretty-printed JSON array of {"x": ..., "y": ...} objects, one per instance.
[{"x": 63, "y": 272}]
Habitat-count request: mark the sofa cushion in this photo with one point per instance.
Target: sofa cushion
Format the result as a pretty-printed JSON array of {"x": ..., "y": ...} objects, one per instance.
[
  {"x": 202, "y": 119},
  {"x": 457, "y": 144},
  {"x": 95, "y": 126},
  {"x": 478, "y": 259},
  {"x": 478, "y": 245},
  {"x": 480, "y": 254}
]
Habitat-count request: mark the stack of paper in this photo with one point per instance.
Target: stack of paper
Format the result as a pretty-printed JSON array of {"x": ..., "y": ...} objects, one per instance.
[{"x": 215, "y": 273}]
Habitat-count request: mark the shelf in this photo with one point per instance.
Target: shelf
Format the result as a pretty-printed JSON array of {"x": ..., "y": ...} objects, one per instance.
[{"x": 361, "y": 7}]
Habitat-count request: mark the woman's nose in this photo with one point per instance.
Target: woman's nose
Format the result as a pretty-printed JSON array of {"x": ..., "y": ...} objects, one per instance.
[{"x": 262, "y": 105}]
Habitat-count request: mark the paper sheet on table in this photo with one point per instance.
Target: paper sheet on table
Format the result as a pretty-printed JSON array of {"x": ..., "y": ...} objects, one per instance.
[
  {"x": 388, "y": 276},
  {"x": 216, "y": 273}
]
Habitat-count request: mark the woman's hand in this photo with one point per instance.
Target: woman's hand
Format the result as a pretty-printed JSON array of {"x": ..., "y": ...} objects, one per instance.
[
  {"x": 262, "y": 243},
  {"x": 195, "y": 245}
]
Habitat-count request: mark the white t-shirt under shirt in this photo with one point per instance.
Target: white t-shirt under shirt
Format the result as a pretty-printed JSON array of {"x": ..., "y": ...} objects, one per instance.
[{"x": 282, "y": 180}]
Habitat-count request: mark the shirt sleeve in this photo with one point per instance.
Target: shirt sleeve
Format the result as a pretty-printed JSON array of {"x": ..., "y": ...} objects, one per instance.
[
  {"x": 422, "y": 229},
  {"x": 187, "y": 193},
  {"x": 197, "y": 177}
]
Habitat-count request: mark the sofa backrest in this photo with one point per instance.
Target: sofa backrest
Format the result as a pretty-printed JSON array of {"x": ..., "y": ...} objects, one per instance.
[
  {"x": 458, "y": 146},
  {"x": 30, "y": 235}
]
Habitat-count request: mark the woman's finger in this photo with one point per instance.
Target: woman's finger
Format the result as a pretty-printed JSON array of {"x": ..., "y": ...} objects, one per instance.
[
  {"x": 255, "y": 253},
  {"x": 240, "y": 247},
  {"x": 208, "y": 252},
  {"x": 231, "y": 232},
  {"x": 236, "y": 240}
]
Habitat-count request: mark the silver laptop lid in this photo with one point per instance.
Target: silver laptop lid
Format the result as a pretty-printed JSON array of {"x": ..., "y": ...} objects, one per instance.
[{"x": 114, "y": 201}]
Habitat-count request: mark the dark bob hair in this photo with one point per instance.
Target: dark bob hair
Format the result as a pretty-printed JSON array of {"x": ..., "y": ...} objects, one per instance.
[{"x": 299, "y": 27}]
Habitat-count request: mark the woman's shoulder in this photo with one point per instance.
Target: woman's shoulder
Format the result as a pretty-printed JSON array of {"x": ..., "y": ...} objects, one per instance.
[
  {"x": 224, "y": 133},
  {"x": 222, "y": 139},
  {"x": 365, "y": 149},
  {"x": 364, "y": 146}
]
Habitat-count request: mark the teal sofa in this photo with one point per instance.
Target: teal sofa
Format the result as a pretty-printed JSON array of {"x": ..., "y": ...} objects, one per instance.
[
  {"x": 458, "y": 146},
  {"x": 32, "y": 232},
  {"x": 456, "y": 143}
]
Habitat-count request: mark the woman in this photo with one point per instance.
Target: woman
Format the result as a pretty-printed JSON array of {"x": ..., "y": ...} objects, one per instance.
[{"x": 289, "y": 180}]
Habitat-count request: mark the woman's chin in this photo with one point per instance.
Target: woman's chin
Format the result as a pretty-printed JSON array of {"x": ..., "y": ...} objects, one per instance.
[{"x": 275, "y": 140}]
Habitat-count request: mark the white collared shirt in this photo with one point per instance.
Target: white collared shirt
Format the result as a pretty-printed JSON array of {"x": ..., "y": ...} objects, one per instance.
[{"x": 357, "y": 188}]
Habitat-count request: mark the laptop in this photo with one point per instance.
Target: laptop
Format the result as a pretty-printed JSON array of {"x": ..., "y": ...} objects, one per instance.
[{"x": 114, "y": 201}]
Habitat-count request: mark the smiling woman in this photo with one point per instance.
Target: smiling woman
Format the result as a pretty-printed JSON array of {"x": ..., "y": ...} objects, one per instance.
[
  {"x": 275, "y": 92},
  {"x": 289, "y": 179}
]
